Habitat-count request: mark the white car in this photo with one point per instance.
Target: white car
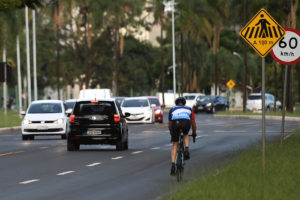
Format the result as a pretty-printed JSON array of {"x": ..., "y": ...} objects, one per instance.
[
  {"x": 140, "y": 109},
  {"x": 254, "y": 102},
  {"x": 45, "y": 117},
  {"x": 192, "y": 98}
]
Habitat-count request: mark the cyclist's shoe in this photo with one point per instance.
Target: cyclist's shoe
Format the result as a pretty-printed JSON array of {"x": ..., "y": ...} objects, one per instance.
[
  {"x": 186, "y": 155},
  {"x": 173, "y": 170}
]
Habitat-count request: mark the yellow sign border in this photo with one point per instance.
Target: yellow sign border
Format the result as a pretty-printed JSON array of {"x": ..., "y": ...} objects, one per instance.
[
  {"x": 253, "y": 18},
  {"x": 230, "y": 84}
]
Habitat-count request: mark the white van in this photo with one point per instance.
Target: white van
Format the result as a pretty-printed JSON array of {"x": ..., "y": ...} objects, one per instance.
[
  {"x": 255, "y": 99},
  {"x": 191, "y": 98},
  {"x": 95, "y": 93}
]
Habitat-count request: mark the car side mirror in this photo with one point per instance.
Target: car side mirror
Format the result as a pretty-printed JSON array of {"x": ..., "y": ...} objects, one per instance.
[
  {"x": 68, "y": 112},
  {"x": 23, "y": 113},
  {"x": 127, "y": 114}
]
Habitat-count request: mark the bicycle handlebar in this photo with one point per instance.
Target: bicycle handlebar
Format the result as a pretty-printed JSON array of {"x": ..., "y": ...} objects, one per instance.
[{"x": 194, "y": 138}]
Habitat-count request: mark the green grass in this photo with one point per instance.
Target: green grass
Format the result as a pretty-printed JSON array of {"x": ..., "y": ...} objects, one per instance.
[
  {"x": 268, "y": 113},
  {"x": 11, "y": 120},
  {"x": 243, "y": 180}
]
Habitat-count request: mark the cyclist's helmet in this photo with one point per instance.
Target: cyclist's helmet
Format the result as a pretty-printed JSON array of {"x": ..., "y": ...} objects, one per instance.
[{"x": 180, "y": 100}]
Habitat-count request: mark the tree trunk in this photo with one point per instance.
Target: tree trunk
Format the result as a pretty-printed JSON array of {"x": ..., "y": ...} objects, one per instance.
[
  {"x": 245, "y": 61},
  {"x": 162, "y": 57},
  {"x": 182, "y": 62},
  {"x": 57, "y": 21},
  {"x": 216, "y": 42},
  {"x": 115, "y": 74}
]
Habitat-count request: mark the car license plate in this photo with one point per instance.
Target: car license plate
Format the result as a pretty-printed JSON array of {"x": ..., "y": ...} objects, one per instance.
[
  {"x": 42, "y": 127},
  {"x": 94, "y": 132}
]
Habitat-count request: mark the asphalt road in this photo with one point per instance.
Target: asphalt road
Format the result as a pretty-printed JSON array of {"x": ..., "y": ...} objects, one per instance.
[{"x": 44, "y": 169}]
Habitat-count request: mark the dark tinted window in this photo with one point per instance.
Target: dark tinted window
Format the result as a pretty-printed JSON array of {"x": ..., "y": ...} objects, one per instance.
[
  {"x": 45, "y": 108},
  {"x": 70, "y": 105},
  {"x": 135, "y": 103},
  {"x": 100, "y": 108},
  {"x": 254, "y": 97},
  {"x": 190, "y": 97},
  {"x": 154, "y": 101}
]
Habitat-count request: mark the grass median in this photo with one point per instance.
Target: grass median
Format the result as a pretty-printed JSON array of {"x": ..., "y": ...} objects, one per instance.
[
  {"x": 268, "y": 113},
  {"x": 243, "y": 178},
  {"x": 12, "y": 119}
]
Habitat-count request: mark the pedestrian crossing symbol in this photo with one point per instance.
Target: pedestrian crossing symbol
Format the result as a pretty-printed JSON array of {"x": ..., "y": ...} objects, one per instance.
[
  {"x": 262, "y": 32},
  {"x": 230, "y": 84}
]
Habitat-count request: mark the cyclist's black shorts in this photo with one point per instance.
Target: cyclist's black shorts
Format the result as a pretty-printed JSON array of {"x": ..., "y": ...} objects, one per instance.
[{"x": 179, "y": 125}]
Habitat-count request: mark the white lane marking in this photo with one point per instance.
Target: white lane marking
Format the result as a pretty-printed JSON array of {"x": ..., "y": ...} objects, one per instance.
[
  {"x": 44, "y": 147},
  {"x": 154, "y": 148},
  {"x": 29, "y": 181},
  {"x": 168, "y": 145},
  {"x": 220, "y": 131},
  {"x": 64, "y": 173},
  {"x": 116, "y": 158},
  {"x": 93, "y": 164},
  {"x": 137, "y": 152}
]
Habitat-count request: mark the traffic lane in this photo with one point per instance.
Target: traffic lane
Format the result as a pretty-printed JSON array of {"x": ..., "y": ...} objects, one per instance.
[{"x": 133, "y": 171}]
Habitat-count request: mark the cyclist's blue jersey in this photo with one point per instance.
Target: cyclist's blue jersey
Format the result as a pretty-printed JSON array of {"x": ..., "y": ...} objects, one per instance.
[{"x": 181, "y": 112}]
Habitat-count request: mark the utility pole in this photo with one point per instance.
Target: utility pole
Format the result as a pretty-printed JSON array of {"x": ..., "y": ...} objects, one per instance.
[
  {"x": 5, "y": 83},
  {"x": 34, "y": 56},
  {"x": 28, "y": 56},
  {"x": 245, "y": 61},
  {"x": 19, "y": 75}
]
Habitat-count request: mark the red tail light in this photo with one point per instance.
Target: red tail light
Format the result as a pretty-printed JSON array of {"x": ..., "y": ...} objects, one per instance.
[
  {"x": 72, "y": 119},
  {"x": 116, "y": 118}
]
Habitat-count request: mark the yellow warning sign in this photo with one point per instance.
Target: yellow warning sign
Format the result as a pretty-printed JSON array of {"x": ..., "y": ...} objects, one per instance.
[
  {"x": 230, "y": 84},
  {"x": 262, "y": 32}
]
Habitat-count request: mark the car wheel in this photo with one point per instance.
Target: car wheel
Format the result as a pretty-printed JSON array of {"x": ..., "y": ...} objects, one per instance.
[
  {"x": 120, "y": 145},
  {"x": 64, "y": 136},
  {"x": 25, "y": 137},
  {"x": 125, "y": 145},
  {"x": 72, "y": 147}
]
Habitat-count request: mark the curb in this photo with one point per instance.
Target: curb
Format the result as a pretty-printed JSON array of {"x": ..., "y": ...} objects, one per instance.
[
  {"x": 257, "y": 117},
  {"x": 15, "y": 128}
]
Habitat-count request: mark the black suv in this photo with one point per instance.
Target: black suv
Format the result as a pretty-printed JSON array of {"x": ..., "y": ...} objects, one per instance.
[
  {"x": 212, "y": 104},
  {"x": 97, "y": 122}
]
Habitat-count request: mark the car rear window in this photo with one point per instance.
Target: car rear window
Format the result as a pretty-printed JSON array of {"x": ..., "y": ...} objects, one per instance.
[
  {"x": 254, "y": 97},
  {"x": 89, "y": 108},
  {"x": 70, "y": 104},
  {"x": 154, "y": 101},
  {"x": 190, "y": 97},
  {"x": 45, "y": 108},
  {"x": 135, "y": 103}
]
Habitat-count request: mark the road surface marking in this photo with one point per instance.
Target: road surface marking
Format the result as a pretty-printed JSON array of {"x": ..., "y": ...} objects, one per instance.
[
  {"x": 44, "y": 147},
  {"x": 29, "y": 181},
  {"x": 116, "y": 158},
  {"x": 93, "y": 164},
  {"x": 64, "y": 173},
  {"x": 11, "y": 153},
  {"x": 154, "y": 148},
  {"x": 220, "y": 131},
  {"x": 137, "y": 152}
]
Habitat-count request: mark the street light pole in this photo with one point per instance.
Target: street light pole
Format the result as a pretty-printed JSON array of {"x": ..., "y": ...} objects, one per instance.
[
  {"x": 173, "y": 46},
  {"x": 34, "y": 56},
  {"x": 28, "y": 56}
]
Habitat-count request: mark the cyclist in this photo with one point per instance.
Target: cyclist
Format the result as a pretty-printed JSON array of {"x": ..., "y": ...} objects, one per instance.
[{"x": 181, "y": 117}]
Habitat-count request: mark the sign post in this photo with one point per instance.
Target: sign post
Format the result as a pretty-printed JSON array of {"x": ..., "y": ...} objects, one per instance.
[
  {"x": 262, "y": 33},
  {"x": 287, "y": 52}
]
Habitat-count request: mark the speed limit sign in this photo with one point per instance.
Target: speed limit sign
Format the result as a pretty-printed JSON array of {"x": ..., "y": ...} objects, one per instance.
[{"x": 287, "y": 50}]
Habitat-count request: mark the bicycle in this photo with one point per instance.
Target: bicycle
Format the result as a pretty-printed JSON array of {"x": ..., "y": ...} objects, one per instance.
[{"x": 179, "y": 161}]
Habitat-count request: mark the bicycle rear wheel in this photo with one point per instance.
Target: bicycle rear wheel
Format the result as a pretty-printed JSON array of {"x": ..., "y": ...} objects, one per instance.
[{"x": 179, "y": 166}]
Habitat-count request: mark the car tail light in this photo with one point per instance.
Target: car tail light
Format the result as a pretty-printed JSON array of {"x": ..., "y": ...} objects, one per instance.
[
  {"x": 116, "y": 118},
  {"x": 72, "y": 119},
  {"x": 75, "y": 138}
]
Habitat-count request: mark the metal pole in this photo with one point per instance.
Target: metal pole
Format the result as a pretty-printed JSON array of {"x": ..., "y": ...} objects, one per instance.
[
  {"x": 173, "y": 45},
  {"x": 28, "y": 57},
  {"x": 34, "y": 56},
  {"x": 5, "y": 83},
  {"x": 19, "y": 75},
  {"x": 283, "y": 106},
  {"x": 263, "y": 117}
]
